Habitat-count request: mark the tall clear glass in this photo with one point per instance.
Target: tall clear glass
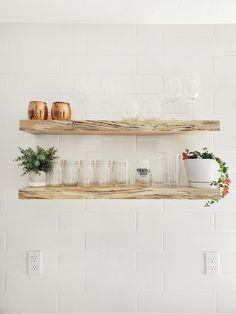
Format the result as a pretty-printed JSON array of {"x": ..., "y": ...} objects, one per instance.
[
  {"x": 171, "y": 169},
  {"x": 70, "y": 172},
  {"x": 120, "y": 172},
  {"x": 55, "y": 175},
  {"x": 143, "y": 173},
  {"x": 86, "y": 173},
  {"x": 103, "y": 173}
]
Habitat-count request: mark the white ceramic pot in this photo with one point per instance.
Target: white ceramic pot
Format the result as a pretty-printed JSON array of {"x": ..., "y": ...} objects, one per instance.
[
  {"x": 38, "y": 179},
  {"x": 200, "y": 172}
]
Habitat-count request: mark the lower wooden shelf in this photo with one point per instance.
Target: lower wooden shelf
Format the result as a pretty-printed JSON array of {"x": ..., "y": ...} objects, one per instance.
[{"x": 130, "y": 192}]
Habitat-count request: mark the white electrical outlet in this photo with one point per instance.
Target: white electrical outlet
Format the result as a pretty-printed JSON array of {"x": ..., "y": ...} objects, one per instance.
[
  {"x": 34, "y": 262},
  {"x": 212, "y": 263}
]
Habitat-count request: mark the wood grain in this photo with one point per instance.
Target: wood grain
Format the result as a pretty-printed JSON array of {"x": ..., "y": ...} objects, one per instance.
[
  {"x": 130, "y": 192},
  {"x": 105, "y": 127}
]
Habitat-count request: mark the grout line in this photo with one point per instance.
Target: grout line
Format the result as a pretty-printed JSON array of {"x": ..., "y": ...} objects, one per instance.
[
  {"x": 4, "y": 283},
  {"x": 163, "y": 241},
  {"x": 57, "y": 302},
  {"x": 137, "y": 302},
  {"x": 85, "y": 241}
]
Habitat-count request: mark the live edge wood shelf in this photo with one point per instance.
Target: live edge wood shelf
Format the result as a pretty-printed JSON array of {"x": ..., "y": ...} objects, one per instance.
[
  {"x": 130, "y": 192},
  {"x": 106, "y": 127}
]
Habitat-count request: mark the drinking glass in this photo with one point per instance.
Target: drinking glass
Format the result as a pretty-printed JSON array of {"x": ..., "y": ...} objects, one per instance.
[
  {"x": 131, "y": 111},
  {"x": 70, "y": 172},
  {"x": 150, "y": 109},
  {"x": 171, "y": 93},
  {"x": 103, "y": 173},
  {"x": 143, "y": 173},
  {"x": 120, "y": 172},
  {"x": 191, "y": 85},
  {"x": 86, "y": 173},
  {"x": 171, "y": 169},
  {"x": 55, "y": 175}
]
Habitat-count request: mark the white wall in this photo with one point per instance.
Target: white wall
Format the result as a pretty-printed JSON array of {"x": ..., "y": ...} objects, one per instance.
[{"x": 103, "y": 255}]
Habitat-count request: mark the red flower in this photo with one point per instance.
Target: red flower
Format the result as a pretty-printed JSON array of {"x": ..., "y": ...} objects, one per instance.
[
  {"x": 228, "y": 181},
  {"x": 184, "y": 156},
  {"x": 226, "y": 190}
]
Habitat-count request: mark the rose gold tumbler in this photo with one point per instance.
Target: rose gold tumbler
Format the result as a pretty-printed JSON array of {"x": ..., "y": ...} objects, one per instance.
[
  {"x": 61, "y": 111},
  {"x": 37, "y": 110}
]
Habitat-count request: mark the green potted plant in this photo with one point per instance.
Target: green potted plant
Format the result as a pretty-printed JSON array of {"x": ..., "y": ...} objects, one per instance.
[
  {"x": 36, "y": 163},
  {"x": 200, "y": 169}
]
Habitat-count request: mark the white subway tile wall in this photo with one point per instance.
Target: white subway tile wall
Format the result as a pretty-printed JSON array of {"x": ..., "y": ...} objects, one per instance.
[{"x": 115, "y": 255}]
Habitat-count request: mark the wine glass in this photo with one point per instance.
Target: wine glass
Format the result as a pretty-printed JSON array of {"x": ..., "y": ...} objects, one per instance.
[
  {"x": 171, "y": 89},
  {"x": 130, "y": 110},
  {"x": 171, "y": 93},
  {"x": 151, "y": 108},
  {"x": 191, "y": 89}
]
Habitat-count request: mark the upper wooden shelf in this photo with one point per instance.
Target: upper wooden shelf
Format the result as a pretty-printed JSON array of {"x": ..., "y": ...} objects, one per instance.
[
  {"x": 129, "y": 192},
  {"x": 106, "y": 127}
]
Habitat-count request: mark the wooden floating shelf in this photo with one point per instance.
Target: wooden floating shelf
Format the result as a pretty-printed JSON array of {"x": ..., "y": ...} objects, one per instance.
[
  {"x": 106, "y": 127},
  {"x": 130, "y": 192}
]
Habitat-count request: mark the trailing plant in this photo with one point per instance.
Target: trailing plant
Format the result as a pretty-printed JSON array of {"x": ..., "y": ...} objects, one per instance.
[
  {"x": 223, "y": 181},
  {"x": 36, "y": 160}
]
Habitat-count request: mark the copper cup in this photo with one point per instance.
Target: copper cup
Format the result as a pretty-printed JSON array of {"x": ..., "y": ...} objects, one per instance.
[
  {"x": 61, "y": 111},
  {"x": 37, "y": 110}
]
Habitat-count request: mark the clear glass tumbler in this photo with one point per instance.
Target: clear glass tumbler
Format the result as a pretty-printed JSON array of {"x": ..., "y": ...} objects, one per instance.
[
  {"x": 120, "y": 172},
  {"x": 171, "y": 169},
  {"x": 86, "y": 173},
  {"x": 55, "y": 175},
  {"x": 143, "y": 173},
  {"x": 103, "y": 173},
  {"x": 70, "y": 172}
]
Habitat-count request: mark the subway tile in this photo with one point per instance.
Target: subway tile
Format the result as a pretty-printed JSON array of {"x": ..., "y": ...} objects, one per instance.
[
  {"x": 185, "y": 205},
  {"x": 16, "y": 262},
  {"x": 28, "y": 241},
  {"x": 112, "y": 40},
  {"x": 175, "y": 221},
  {"x": 96, "y": 261},
  {"x": 191, "y": 31},
  {"x": 86, "y": 143},
  {"x": 34, "y": 40},
  {"x": 3, "y": 38},
  {"x": 175, "y": 143},
  {"x": 149, "y": 40},
  {"x": 28, "y": 220},
  {"x": 72, "y": 39},
  {"x": 124, "y": 205},
  {"x": 176, "y": 302},
  {"x": 13, "y": 203},
  {"x": 2, "y": 201},
  {"x": 225, "y": 302},
  {"x": 103, "y": 302},
  {"x": 200, "y": 240},
  {"x": 179, "y": 65},
  {"x": 51, "y": 283},
  {"x": 223, "y": 65},
  {"x": 96, "y": 222},
  {"x": 170, "y": 261},
  {"x": 111, "y": 65},
  {"x": 188, "y": 46},
  {"x": 192, "y": 281},
  {"x": 224, "y": 30},
  {"x": 225, "y": 142},
  {"x": 225, "y": 221},
  {"x": 228, "y": 262},
  {"x": 224, "y": 103},
  {"x": 14, "y": 64},
  {"x": 128, "y": 241},
  {"x": 124, "y": 281},
  {"x": 28, "y": 302}
]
